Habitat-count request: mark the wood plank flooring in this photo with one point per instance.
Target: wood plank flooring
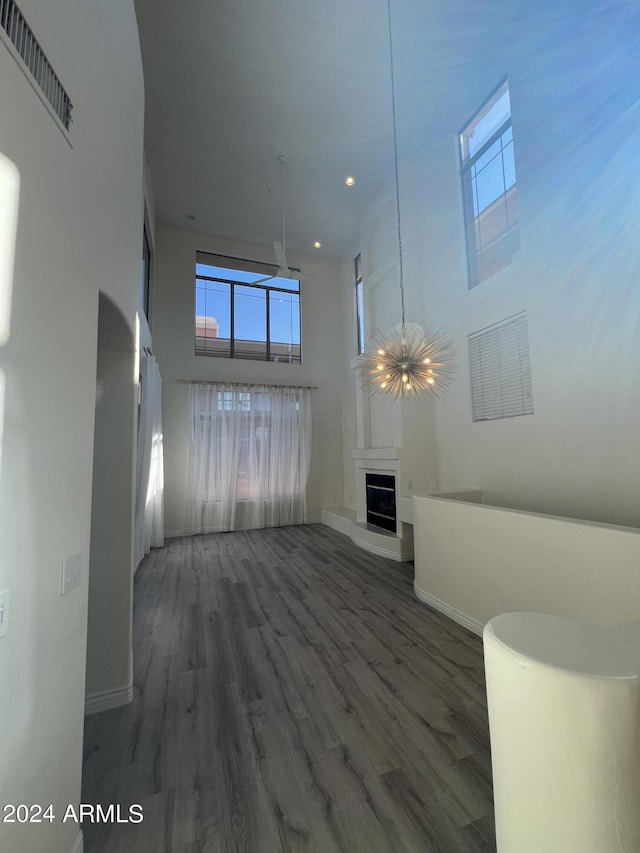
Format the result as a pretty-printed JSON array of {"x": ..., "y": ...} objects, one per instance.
[{"x": 291, "y": 694}]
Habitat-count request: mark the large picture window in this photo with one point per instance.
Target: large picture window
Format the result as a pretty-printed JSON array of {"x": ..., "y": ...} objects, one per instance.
[
  {"x": 243, "y": 310},
  {"x": 249, "y": 457},
  {"x": 489, "y": 188}
]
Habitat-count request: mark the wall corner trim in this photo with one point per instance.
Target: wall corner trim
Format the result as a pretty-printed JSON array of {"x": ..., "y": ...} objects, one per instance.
[
  {"x": 442, "y": 607},
  {"x": 78, "y": 844},
  {"x": 106, "y": 700}
]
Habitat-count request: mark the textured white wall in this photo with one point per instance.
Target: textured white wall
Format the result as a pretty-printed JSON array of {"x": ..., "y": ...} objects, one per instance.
[
  {"x": 173, "y": 334},
  {"x": 563, "y": 700},
  {"x": 79, "y": 231}
]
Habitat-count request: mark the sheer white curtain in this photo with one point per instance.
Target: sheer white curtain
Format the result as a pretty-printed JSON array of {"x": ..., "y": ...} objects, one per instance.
[
  {"x": 149, "y": 519},
  {"x": 249, "y": 457}
]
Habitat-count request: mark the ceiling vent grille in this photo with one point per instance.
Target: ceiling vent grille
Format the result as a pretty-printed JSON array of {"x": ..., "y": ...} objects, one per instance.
[
  {"x": 21, "y": 36},
  {"x": 501, "y": 370}
]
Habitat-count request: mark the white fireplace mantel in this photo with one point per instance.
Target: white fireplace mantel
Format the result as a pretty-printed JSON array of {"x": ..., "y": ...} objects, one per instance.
[{"x": 376, "y": 453}]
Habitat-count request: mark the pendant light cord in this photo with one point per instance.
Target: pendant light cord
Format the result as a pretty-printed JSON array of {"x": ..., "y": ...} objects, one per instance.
[{"x": 395, "y": 161}]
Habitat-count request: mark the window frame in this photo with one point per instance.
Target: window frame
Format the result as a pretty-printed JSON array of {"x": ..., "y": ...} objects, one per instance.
[
  {"x": 466, "y": 179},
  {"x": 359, "y": 297},
  {"x": 147, "y": 260},
  {"x": 259, "y": 268}
]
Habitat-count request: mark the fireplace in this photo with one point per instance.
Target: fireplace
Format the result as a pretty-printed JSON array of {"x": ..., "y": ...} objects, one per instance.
[{"x": 381, "y": 501}]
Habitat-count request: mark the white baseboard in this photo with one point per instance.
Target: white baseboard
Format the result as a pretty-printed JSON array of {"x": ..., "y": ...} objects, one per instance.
[
  {"x": 442, "y": 607},
  {"x": 402, "y": 557},
  {"x": 363, "y": 538},
  {"x": 78, "y": 844},
  {"x": 173, "y": 534},
  {"x": 337, "y": 522},
  {"x": 106, "y": 700}
]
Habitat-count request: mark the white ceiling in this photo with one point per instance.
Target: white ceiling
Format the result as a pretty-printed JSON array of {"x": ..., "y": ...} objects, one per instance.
[{"x": 232, "y": 84}]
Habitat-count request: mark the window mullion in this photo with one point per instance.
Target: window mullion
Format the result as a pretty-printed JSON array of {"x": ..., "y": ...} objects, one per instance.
[
  {"x": 255, "y": 339},
  {"x": 494, "y": 138},
  {"x": 232, "y": 322},
  {"x": 268, "y": 329}
]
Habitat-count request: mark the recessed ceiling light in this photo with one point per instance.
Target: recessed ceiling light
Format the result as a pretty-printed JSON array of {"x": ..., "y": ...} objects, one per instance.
[
  {"x": 317, "y": 244},
  {"x": 191, "y": 217},
  {"x": 350, "y": 181}
]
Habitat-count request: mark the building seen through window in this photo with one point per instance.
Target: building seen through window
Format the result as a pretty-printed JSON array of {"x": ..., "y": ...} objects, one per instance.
[{"x": 244, "y": 311}]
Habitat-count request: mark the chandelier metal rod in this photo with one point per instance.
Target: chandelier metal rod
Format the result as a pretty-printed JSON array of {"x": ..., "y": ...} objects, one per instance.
[{"x": 395, "y": 161}]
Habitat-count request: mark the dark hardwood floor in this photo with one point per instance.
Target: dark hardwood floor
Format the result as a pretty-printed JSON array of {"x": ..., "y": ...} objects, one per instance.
[{"x": 291, "y": 694}]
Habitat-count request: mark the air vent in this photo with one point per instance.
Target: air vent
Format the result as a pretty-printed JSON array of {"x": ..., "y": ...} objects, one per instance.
[{"x": 13, "y": 23}]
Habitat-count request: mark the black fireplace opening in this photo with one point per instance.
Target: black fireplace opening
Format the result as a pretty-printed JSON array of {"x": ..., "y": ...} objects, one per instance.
[{"x": 381, "y": 501}]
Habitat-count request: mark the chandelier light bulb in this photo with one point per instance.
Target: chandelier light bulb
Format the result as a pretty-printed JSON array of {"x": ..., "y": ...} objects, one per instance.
[{"x": 414, "y": 364}]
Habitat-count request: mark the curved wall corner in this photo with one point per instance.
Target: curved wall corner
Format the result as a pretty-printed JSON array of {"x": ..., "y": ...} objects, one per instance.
[
  {"x": 564, "y": 717},
  {"x": 109, "y": 632}
]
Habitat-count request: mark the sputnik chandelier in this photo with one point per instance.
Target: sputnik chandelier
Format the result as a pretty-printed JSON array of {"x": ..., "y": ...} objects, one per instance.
[{"x": 403, "y": 361}]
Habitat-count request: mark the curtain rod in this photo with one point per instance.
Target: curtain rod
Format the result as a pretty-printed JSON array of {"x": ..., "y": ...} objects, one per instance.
[{"x": 246, "y": 384}]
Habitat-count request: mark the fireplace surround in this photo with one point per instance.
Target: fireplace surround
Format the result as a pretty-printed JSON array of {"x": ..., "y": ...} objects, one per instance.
[{"x": 381, "y": 500}]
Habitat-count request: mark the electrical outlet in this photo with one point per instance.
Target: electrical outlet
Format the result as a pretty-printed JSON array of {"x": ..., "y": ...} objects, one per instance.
[
  {"x": 5, "y": 596},
  {"x": 409, "y": 485},
  {"x": 71, "y": 573},
  {"x": 433, "y": 485}
]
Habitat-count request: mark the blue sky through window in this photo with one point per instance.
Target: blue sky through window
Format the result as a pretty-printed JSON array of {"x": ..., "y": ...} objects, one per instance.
[
  {"x": 213, "y": 300},
  {"x": 488, "y": 176},
  {"x": 493, "y": 173}
]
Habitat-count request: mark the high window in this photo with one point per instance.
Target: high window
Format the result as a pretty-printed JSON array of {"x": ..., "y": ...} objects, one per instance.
[
  {"x": 359, "y": 303},
  {"x": 244, "y": 311},
  {"x": 145, "y": 273},
  {"x": 489, "y": 188}
]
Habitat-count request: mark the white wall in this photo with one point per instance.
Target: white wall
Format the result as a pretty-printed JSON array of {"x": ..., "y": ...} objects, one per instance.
[
  {"x": 109, "y": 671},
  {"x": 574, "y": 120},
  {"x": 349, "y": 348},
  {"x": 79, "y": 231},
  {"x": 173, "y": 334},
  {"x": 475, "y": 562},
  {"x": 408, "y": 424}
]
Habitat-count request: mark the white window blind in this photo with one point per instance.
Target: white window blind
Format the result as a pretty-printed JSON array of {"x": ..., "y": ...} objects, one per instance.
[{"x": 501, "y": 370}]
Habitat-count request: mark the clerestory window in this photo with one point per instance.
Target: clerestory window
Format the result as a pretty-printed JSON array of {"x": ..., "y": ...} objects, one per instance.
[
  {"x": 359, "y": 303},
  {"x": 489, "y": 188},
  {"x": 243, "y": 310}
]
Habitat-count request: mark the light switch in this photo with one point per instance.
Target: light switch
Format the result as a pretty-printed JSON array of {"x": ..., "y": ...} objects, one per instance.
[
  {"x": 71, "y": 573},
  {"x": 5, "y": 596}
]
